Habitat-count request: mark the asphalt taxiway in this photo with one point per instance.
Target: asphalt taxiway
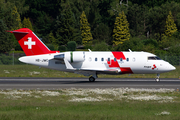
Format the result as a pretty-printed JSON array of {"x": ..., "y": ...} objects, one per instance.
[{"x": 61, "y": 83}]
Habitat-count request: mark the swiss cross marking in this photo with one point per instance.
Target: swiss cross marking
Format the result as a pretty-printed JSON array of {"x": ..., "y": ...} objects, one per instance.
[{"x": 29, "y": 43}]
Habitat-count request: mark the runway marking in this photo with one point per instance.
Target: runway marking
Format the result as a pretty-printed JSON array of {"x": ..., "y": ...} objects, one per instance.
[
  {"x": 59, "y": 83},
  {"x": 86, "y": 79}
]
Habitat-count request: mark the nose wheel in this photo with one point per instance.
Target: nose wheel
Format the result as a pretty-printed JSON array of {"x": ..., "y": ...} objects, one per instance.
[
  {"x": 157, "y": 78},
  {"x": 91, "y": 79}
]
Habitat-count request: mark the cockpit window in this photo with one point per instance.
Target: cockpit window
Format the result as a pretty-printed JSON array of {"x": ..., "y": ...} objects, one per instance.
[
  {"x": 151, "y": 58},
  {"x": 157, "y": 58},
  {"x": 154, "y": 58}
]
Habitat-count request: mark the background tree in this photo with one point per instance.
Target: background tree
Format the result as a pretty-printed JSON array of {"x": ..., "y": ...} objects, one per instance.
[
  {"x": 104, "y": 7},
  {"x": 170, "y": 25},
  {"x": 16, "y": 20},
  {"x": 157, "y": 18},
  {"x": 101, "y": 46},
  {"x": 43, "y": 14},
  {"x": 102, "y": 33},
  {"x": 71, "y": 46},
  {"x": 27, "y": 23},
  {"x": 138, "y": 20},
  {"x": 59, "y": 21},
  {"x": 168, "y": 39},
  {"x": 20, "y": 5},
  {"x": 53, "y": 40},
  {"x": 121, "y": 29},
  {"x": 94, "y": 16},
  {"x": 5, "y": 42},
  {"x": 85, "y": 29},
  {"x": 65, "y": 25},
  {"x": 117, "y": 6},
  {"x": 14, "y": 23}
]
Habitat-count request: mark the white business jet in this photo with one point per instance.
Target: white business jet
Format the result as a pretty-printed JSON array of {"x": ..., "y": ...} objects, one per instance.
[{"x": 89, "y": 63}]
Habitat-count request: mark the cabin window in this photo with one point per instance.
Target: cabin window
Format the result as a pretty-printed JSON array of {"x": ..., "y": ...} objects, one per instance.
[
  {"x": 90, "y": 58},
  {"x": 114, "y": 59},
  {"x": 121, "y": 59},
  {"x": 108, "y": 59},
  {"x": 95, "y": 59},
  {"x": 102, "y": 59},
  {"x": 134, "y": 59},
  {"x": 127, "y": 59}
]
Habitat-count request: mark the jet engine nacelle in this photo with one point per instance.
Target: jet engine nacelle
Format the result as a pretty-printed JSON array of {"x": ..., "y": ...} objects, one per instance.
[{"x": 75, "y": 56}]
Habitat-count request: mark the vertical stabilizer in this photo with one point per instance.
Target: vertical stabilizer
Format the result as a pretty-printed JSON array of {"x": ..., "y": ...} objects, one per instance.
[{"x": 30, "y": 43}]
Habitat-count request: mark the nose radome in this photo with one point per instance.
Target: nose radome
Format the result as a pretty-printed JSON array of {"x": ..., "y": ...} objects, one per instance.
[
  {"x": 171, "y": 67},
  {"x": 166, "y": 67}
]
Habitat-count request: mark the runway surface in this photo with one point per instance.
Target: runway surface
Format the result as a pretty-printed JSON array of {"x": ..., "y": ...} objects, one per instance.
[{"x": 61, "y": 83}]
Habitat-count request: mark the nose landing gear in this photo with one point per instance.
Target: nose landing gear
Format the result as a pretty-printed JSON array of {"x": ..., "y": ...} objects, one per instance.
[{"x": 157, "y": 77}]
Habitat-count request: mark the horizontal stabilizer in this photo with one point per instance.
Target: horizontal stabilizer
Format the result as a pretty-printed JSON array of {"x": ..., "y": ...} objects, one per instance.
[{"x": 17, "y": 32}]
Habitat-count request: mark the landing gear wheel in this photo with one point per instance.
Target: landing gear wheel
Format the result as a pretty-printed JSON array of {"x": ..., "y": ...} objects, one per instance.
[
  {"x": 157, "y": 78},
  {"x": 91, "y": 79}
]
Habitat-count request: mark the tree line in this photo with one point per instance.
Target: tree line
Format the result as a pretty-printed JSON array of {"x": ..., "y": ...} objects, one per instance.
[{"x": 116, "y": 25}]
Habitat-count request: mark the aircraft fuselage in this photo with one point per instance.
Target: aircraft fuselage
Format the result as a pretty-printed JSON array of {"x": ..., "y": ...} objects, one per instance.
[{"x": 102, "y": 62}]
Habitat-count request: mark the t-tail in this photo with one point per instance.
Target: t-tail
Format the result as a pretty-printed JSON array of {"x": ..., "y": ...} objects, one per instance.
[{"x": 30, "y": 43}]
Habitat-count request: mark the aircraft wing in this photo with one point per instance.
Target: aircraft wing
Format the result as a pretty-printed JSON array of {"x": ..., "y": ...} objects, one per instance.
[{"x": 83, "y": 70}]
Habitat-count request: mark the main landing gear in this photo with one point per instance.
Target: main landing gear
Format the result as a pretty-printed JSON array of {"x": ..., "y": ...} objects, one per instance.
[
  {"x": 91, "y": 79},
  {"x": 157, "y": 77}
]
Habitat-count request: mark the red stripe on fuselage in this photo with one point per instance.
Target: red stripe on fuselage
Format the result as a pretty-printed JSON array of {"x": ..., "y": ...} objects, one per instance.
[
  {"x": 125, "y": 70},
  {"x": 118, "y": 56},
  {"x": 114, "y": 64}
]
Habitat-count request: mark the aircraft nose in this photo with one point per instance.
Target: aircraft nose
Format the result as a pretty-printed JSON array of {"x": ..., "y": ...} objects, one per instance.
[{"x": 171, "y": 67}]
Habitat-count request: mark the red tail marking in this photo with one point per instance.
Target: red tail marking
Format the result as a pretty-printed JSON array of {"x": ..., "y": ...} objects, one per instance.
[{"x": 30, "y": 43}]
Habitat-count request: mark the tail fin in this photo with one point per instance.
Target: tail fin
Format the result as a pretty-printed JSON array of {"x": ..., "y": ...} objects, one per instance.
[{"x": 30, "y": 43}]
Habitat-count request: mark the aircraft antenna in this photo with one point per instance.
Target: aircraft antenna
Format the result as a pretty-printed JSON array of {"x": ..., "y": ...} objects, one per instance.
[{"x": 89, "y": 50}]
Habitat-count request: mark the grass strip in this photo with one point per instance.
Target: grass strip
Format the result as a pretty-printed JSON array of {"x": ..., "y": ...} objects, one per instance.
[{"x": 51, "y": 105}]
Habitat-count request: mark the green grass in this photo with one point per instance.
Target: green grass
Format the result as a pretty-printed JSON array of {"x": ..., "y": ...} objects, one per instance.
[
  {"x": 59, "y": 107},
  {"x": 16, "y": 52},
  {"x": 35, "y": 71}
]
